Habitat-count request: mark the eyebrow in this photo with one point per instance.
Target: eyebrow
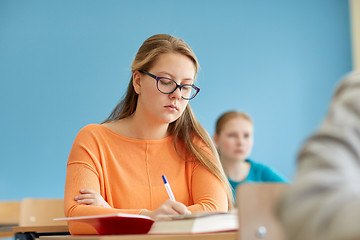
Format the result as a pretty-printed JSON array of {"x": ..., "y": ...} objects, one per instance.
[{"x": 172, "y": 76}]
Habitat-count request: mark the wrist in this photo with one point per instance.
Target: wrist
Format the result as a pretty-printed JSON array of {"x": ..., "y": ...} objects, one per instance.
[{"x": 146, "y": 212}]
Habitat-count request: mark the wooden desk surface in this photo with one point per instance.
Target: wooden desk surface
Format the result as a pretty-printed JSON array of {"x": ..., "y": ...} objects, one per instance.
[
  {"x": 205, "y": 236},
  {"x": 6, "y": 231},
  {"x": 6, "y": 234},
  {"x": 41, "y": 229}
]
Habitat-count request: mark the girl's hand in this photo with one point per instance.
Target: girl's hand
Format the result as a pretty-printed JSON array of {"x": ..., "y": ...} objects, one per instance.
[
  {"x": 90, "y": 197},
  {"x": 169, "y": 207}
]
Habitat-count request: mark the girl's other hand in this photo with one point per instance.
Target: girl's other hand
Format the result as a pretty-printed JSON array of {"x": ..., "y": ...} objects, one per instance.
[{"x": 90, "y": 197}]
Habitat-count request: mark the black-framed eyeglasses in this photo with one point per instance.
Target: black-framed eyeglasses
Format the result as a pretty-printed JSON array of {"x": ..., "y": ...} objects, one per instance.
[{"x": 168, "y": 86}]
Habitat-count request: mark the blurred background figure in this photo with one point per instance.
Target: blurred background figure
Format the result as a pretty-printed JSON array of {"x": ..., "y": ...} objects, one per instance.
[
  {"x": 323, "y": 203},
  {"x": 234, "y": 140}
]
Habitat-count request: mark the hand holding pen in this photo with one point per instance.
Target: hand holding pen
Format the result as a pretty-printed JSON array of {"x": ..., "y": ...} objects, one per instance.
[{"x": 169, "y": 207}]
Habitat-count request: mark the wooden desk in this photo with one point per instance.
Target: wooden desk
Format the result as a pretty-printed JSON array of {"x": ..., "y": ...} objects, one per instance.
[
  {"x": 9, "y": 217},
  {"x": 9, "y": 213},
  {"x": 34, "y": 232},
  {"x": 205, "y": 236},
  {"x": 6, "y": 231}
]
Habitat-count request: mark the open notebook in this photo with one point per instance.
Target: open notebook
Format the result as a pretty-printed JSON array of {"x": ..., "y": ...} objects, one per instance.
[{"x": 120, "y": 223}]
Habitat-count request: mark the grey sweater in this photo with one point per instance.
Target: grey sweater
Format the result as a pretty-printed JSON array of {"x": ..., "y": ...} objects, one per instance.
[{"x": 323, "y": 203}]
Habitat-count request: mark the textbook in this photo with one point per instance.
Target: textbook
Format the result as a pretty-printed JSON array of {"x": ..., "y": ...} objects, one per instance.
[
  {"x": 196, "y": 223},
  {"x": 121, "y": 223}
]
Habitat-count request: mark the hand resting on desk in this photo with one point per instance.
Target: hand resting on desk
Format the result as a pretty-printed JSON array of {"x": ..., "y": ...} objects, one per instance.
[{"x": 90, "y": 197}]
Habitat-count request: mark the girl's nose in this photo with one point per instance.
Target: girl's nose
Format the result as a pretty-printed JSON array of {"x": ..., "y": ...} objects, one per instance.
[
  {"x": 239, "y": 140},
  {"x": 176, "y": 94}
]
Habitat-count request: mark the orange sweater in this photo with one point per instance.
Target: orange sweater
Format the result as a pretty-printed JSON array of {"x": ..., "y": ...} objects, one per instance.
[{"x": 127, "y": 173}]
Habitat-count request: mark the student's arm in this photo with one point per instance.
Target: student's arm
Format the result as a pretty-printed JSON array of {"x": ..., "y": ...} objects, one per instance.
[
  {"x": 208, "y": 192},
  {"x": 81, "y": 176},
  {"x": 323, "y": 202},
  {"x": 84, "y": 171}
]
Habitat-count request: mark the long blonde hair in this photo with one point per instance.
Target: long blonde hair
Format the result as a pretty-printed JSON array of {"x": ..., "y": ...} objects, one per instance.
[{"x": 186, "y": 127}]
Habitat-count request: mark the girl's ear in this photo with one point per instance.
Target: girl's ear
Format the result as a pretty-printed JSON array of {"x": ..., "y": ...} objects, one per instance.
[{"x": 137, "y": 81}]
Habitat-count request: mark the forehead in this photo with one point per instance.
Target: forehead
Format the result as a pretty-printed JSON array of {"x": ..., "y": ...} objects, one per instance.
[
  {"x": 238, "y": 124},
  {"x": 176, "y": 64}
]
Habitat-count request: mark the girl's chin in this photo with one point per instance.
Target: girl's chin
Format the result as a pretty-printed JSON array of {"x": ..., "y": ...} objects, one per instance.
[
  {"x": 240, "y": 157},
  {"x": 237, "y": 159},
  {"x": 170, "y": 119}
]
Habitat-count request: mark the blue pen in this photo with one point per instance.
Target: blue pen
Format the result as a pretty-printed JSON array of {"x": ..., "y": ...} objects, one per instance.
[{"x": 168, "y": 188}]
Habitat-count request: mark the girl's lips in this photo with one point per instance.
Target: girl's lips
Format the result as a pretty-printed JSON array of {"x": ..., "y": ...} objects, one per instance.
[{"x": 172, "y": 107}]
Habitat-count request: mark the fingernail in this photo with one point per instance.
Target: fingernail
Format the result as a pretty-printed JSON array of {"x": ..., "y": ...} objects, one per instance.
[{"x": 76, "y": 198}]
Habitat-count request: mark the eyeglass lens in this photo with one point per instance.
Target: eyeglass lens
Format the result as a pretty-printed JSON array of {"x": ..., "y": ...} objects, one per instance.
[{"x": 166, "y": 85}]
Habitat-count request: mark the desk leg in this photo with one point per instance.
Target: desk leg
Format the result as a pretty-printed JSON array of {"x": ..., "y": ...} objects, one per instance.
[
  {"x": 35, "y": 236},
  {"x": 26, "y": 236}
]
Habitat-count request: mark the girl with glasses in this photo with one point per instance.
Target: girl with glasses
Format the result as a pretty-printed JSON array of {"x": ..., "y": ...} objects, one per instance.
[{"x": 117, "y": 166}]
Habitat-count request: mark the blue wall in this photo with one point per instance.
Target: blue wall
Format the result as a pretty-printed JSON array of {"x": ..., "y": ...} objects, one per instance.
[{"x": 65, "y": 64}]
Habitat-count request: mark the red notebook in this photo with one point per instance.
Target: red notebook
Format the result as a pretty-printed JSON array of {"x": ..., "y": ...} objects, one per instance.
[{"x": 113, "y": 224}]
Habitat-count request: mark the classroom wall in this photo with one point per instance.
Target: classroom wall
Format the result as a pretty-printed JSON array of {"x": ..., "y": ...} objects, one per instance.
[
  {"x": 355, "y": 32},
  {"x": 65, "y": 64}
]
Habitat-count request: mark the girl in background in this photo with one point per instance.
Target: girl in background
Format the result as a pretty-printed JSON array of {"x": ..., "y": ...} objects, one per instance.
[
  {"x": 234, "y": 140},
  {"x": 117, "y": 166}
]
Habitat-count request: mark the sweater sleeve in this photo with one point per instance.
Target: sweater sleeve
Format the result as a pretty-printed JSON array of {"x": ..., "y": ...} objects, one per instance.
[
  {"x": 83, "y": 172},
  {"x": 208, "y": 191},
  {"x": 324, "y": 199}
]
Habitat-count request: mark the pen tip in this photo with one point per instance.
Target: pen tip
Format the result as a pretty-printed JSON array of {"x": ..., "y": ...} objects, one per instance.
[{"x": 164, "y": 178}]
